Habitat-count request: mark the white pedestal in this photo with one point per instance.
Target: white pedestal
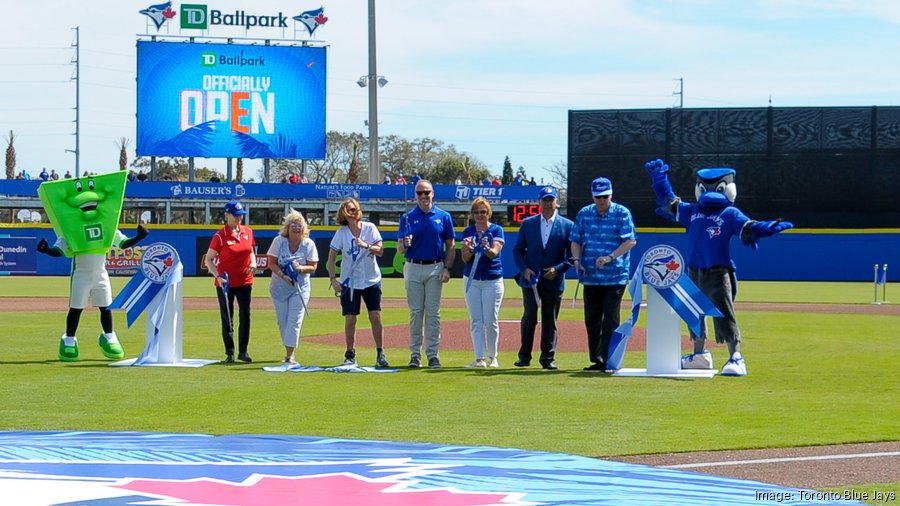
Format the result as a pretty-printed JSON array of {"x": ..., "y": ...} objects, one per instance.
[
  {"x": 165, "y": 349},
  {"x": 664, "y": 343}
]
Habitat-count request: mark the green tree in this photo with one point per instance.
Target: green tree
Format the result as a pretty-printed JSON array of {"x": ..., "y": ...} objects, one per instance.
[
  {"x": 507, "y": 177},
  {"x": 455, "y": 165},
  {"x": 173, "y": 169}
]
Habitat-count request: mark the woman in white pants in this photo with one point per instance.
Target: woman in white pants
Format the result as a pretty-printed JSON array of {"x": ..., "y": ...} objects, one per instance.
[
  {"x": 292, "y": 258},
  {"x": 483, "y": 282}
]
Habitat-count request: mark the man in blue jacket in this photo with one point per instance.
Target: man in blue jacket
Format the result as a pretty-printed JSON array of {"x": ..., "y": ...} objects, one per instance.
[{"x": 542, "y": 254}]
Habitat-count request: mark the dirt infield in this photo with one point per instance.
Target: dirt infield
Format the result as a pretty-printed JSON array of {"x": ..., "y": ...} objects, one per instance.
[
  {"x": 809, "y": 467},
  {"x": 455, "y": 334}
]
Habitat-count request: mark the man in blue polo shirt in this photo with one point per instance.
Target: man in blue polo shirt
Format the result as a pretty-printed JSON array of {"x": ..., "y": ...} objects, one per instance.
[
  {"x": 427, "y": 240},
  {"x": 601, "y": 239}
]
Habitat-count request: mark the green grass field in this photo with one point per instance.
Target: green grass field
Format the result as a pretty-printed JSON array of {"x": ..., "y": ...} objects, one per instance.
[{"x": 814, "y": 379}]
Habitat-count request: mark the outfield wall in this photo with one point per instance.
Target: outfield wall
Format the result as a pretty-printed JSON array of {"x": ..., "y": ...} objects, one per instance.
[{"x": 797, "y": 255}]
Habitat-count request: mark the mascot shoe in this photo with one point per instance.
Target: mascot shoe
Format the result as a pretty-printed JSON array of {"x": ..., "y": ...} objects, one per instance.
[
  {"x": 697, "y": 361},
  {"x": 735, "y": 366},
  {"x": 109, "y": 345},
  {"x": 68, "y": 349}
]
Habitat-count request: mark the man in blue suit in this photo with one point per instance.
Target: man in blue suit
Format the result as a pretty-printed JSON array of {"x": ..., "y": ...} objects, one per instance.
[{"x": 543, "y": 256}]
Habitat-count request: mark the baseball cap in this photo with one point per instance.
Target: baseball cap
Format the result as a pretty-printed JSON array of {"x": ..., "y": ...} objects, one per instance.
[
  {"x": 601, "y": 186},
  {"x": 234, "y": 207},
  {"x": 548, "y": 192}
]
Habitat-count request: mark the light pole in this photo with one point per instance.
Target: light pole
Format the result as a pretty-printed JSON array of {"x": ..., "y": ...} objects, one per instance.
[{"x": 370, "y": 80}]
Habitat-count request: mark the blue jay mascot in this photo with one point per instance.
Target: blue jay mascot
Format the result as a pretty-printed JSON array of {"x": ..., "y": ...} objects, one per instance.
[{"x": 710, "y": 224}]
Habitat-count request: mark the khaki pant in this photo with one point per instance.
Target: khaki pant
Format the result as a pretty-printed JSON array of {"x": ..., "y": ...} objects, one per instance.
[{"x": 423, "y": 295}]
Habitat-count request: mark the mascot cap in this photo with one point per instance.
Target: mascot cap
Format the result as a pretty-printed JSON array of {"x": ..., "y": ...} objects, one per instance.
[
  {"x": 710, "y": 175},
  {"x": 234, "y": 207},
  {"x": 601, "y": 186},
  {"x": 548, "y": 192}
]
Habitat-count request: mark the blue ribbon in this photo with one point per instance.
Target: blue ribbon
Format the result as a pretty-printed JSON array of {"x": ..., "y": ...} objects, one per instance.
[
  {"x": 151, "y": 351},
  {"x": 137, "y": 294},
  {"x": 689, "y": 302},
  {"x": 619, "y": 340},
  {"x": 479, "y": 251}
]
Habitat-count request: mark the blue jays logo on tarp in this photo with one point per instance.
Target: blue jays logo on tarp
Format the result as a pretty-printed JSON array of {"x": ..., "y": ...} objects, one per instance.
[
  {"x": 132, "y": 468},
  {"x": 662, "y": 266},
  {"x": 158, "y": 262}
]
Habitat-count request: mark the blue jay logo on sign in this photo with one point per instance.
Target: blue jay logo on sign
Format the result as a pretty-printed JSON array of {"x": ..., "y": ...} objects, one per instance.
[
  {"x": 159, "y": 13},
  {"x": 662, "y": 266},
  {"x": 158, "y": 262}
]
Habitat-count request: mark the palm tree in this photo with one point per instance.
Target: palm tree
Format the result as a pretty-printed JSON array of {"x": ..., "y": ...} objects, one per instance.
[
  {"x": 239, "y": 173},
  {"x": 353, "y": 172},
  {"x": 10, "y": 155},
  {"x": 122, "y": 144}
]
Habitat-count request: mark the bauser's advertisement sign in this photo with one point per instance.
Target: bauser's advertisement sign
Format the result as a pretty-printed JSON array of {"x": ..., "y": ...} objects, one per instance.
[{"x": 230, "y": 100}]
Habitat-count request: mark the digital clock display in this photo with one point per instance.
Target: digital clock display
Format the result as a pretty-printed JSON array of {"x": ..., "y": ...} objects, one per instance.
[{"x": 519, "y": 212}]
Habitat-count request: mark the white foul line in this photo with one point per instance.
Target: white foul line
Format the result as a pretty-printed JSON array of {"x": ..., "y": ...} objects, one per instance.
[{"x": 783, "y": 459}]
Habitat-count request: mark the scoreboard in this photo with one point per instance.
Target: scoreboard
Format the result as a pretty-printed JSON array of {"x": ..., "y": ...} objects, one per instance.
[{"x": 519, "y": 212}]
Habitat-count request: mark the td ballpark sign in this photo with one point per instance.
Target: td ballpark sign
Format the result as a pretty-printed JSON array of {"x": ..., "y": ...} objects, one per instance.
[{"x": 201, "y": 17}]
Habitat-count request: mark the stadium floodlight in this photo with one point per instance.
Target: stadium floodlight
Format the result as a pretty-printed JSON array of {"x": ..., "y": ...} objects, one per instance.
[
  {"x": 381, "y": 81},
  {"x": 362, "y": 82}
]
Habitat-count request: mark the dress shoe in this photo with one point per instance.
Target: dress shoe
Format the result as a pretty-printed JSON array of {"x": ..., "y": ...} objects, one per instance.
[
  {"x": 244, "y": 357},
  {"x": 229, "y": 359},
  {"x": 522, "y": 363},
  {"x": 550, "y": 366},
  {"x": 595, "y": 368}
]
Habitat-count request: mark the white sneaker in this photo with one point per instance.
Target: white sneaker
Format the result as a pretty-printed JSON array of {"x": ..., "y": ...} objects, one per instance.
[
  {"x": 697, "y": 361},
  {"x": 735, "y": 366},
  {"x": 478, "y": 363},
  {"x": 494, "y": 363}
]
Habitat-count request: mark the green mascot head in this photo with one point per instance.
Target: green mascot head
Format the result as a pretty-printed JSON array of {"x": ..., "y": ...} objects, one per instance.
[{"x": 85, "y": 211}]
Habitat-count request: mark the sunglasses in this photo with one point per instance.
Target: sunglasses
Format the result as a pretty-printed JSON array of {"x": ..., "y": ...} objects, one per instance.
[
  {"x": 601, "y": 197},
  {"x": 350, "y": 209},
  {"x": 426, "y": 192},
  {"x": 479, "y": 212}
]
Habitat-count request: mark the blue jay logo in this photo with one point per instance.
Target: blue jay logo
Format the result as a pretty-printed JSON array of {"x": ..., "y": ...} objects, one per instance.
[
  {"x": 662, "y": 266},
  {"x": 312, "y": 19},
  {"x": 158, "y": 262},
  {"x": 159, "y": 13}
]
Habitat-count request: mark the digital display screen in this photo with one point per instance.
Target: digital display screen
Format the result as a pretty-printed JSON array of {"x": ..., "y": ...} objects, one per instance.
[
  {"x": 230, "y": 100},
  {"x": 519, "y": 212}
]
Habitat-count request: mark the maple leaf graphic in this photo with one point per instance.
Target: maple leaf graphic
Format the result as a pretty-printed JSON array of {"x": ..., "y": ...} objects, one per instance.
[
  {"x": 321, "y": 19},
  {"x": 672, "y": 265},
  {"x": 343, "y": 489},
  {"x": 168, "y": 261},
  {"x": 168, "y": 13}
]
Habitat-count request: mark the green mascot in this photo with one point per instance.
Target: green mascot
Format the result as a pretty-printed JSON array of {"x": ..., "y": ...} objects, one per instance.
[{"x": 85, "y": 213}]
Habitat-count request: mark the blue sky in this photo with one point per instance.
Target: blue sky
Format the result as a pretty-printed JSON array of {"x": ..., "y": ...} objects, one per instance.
[{"x": 494, "y": 78}]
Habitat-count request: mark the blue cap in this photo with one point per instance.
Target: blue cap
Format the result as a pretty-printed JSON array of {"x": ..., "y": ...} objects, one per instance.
[
  {"x": 234, "y": 207},
  {"x": 600, "y": 187},
  {"x": 548, "y": 192}
]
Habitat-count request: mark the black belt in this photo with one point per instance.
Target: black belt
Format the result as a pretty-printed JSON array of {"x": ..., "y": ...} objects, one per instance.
[{"x": 423, "y": 262}]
